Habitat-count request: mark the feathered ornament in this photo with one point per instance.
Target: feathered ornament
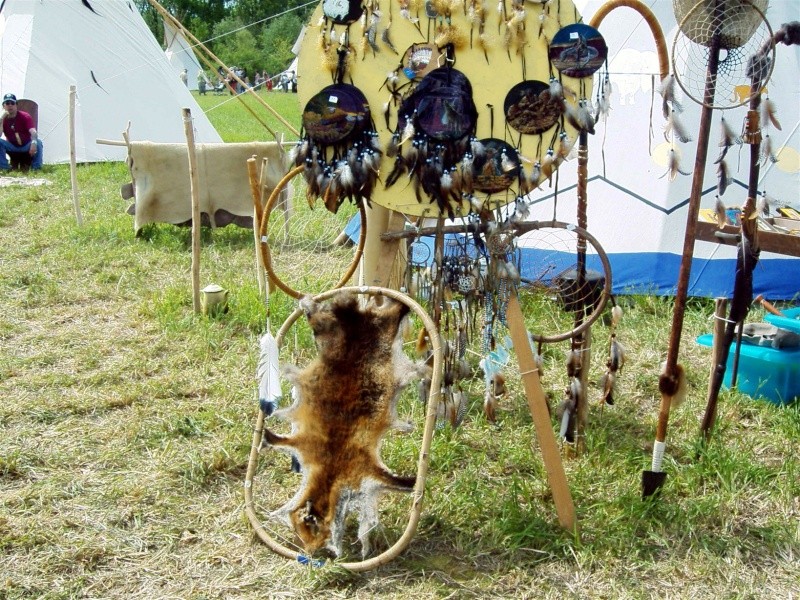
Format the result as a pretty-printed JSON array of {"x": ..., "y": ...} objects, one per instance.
[
  {"x": 769, "y": 113},
  {"x": 616, "y": 354},
  {"x": 723, "y": 177},
  {"x": 556, "y": 89},
  {"x": 579, "y": 115},
  {"x": 566, "y": 147},
  {"x": 536, "y": 174},
  {"x": 720, "y": 212},
  {"x": 616, "y": 315},
  {"x": 673, "y": 166},
  {"x": 669, "y": 104},
  {"x": 674, "y": 126},
  {"x": 521, "y": 210},
  {"x": 728, "y": 138},
  {"x": 763, "y": 204},
  {"x": 766, "y": 150},
  {"x": 268, "y": 375},
  {"x": 673, "y": 385},
  {"x": 607, "y": 384}
]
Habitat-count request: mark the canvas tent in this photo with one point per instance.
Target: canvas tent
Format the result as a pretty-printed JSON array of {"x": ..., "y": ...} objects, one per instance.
[
  {"x": 104, "y": 48},
  {"x": 639, "y": 216},
  {"x": 180, "y": 54}
]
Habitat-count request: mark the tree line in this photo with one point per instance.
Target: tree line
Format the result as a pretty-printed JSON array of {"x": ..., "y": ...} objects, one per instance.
[{"x": 256, "y": 35}]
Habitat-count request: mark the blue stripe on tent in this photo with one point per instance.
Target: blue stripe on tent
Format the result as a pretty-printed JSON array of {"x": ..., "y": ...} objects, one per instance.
[{"x": 657, "y": 272}]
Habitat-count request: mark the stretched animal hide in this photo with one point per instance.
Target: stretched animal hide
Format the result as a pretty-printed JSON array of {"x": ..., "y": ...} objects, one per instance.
[{"x": 345, "y": 402}]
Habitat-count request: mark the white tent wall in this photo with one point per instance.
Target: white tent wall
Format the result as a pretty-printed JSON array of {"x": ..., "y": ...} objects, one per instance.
[
  {"x": 639, "y": 216},
  {"x": 180, "y": 55},
  {"x": 104, "y": 48}
]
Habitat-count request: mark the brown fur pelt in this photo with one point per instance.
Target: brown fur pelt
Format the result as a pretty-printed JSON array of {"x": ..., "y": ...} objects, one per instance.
[{"x": 345, "y": 402}]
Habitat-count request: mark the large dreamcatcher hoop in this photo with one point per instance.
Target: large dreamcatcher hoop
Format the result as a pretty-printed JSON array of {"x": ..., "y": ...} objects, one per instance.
[
  {"x": 277, "y": 236},
  {"x": 740, "y": 30},
  {"x": 251, "y": 508},
  {"x": 569, "y": 275}
]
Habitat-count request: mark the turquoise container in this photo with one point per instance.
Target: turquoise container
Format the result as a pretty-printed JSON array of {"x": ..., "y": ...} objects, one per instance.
[{"x": 764, "y": 372}]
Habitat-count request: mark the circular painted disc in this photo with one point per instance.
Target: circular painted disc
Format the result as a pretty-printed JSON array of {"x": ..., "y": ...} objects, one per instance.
[
  {"x": 530, "y": 109},
  {"x": 335, "y": 113},
  {"x": 497, "y": 168},
  {"x": 578, "y": 50},
  {"x": 342, "y": 12}
]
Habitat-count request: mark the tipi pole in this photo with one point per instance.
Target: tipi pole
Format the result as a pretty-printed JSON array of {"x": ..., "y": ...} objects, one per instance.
[
  {"x": 73, "y": 175},
  {"x": 196, "y": 224},
  {"x": 179, "y": 26}
]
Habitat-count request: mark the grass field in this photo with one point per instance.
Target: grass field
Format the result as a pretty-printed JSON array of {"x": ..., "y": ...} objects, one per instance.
[{"x": 126, "y": 424}]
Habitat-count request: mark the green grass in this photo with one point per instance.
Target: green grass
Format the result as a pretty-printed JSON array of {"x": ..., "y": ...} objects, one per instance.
[{"x": 126, "y": 423}]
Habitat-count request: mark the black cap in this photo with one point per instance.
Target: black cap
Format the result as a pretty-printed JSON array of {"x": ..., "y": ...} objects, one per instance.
[{"x": 9, "y": 98}]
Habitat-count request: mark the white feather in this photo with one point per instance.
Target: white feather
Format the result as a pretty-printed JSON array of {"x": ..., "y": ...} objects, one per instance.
[{"x": 268, "y": 372}]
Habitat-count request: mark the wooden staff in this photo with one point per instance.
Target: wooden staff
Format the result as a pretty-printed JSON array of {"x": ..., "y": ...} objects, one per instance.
[
  {"x": 672, "y": 378},
  {"x": 196, "y": 223}
]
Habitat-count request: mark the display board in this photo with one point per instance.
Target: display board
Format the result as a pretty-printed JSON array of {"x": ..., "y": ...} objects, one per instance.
[{"x": 460, "y": 144}]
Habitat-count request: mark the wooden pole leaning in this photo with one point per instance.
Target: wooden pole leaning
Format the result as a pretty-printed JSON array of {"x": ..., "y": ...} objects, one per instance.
[
  {"x": 565, "y": 508},
  {"x": 423, "y": 460},
  {"x": 196, "y": 222},
  {"x": 258, "y": 212},
  {"x": 205, "y": 51}
]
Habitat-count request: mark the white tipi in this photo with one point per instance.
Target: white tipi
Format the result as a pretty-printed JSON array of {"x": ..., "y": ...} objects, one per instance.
[
  {"x": 180, "y": 54},
  {"x": 105, "y": 49}
]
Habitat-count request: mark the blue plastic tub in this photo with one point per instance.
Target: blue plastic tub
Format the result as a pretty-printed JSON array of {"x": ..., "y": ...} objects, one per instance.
[
  {"x": 764, "y": 372},
  {"x": 791, "y": 321}
]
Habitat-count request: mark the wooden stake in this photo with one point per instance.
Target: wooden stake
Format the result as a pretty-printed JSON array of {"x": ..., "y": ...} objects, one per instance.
[
  {"x": 196, "y": 223},
  {"x": 258, "y": 213},
  {"x": 541, "y": 416},
  {"x": 73, "y": 173}
]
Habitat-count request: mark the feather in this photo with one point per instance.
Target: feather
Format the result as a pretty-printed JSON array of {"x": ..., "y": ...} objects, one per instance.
[
  {"x": 675, "y": 126},
  {"x": 728, "y": 139},
  {"x": 573, "y": 363},
  {"x": 720, "y": 212},
  {"x": 386, "y": 39},
  {"x": 616, "y": 355},
  {"x": 673, "y": 166},
  {"x": 667, "y": 91},
  {"x": 763, "y": 205},
  {"x": 607, "y": 382},
  {"x": 673, "y": 385},
  {"x": 556, "y": 89},
  {"x": 616, "y": 315},
  {"x": 766, "y": 150},
  {"x": 563, "y": 413},
  {"x": 536, "y": 173},
  {"x": 723, "y": 177},
  {"x": 579, "y": 116},
  {"x": 566, "y": 147},
  {"x": 268, "y": 375},
  {"x": 769, "y": 114}
]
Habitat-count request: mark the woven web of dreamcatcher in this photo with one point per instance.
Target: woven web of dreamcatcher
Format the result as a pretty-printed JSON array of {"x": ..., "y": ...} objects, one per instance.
[{"x": 741, "y": 30}]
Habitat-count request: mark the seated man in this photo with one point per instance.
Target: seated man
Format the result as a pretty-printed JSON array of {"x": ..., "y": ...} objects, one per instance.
[{"x": 20, "y": 135}]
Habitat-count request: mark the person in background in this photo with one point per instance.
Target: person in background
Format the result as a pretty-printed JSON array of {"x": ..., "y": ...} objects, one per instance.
[
  {"x": 20, "y": 134},
  {"x": 185, "y": 77},
  {"x": 202, "y": 82}
]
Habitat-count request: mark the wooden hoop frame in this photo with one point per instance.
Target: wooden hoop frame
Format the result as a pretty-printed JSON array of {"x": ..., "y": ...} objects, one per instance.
[
  {"x": 266, "y": 256},
  {"x": 424, "y": 453},
  {"x": 526, "y": 227}
]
